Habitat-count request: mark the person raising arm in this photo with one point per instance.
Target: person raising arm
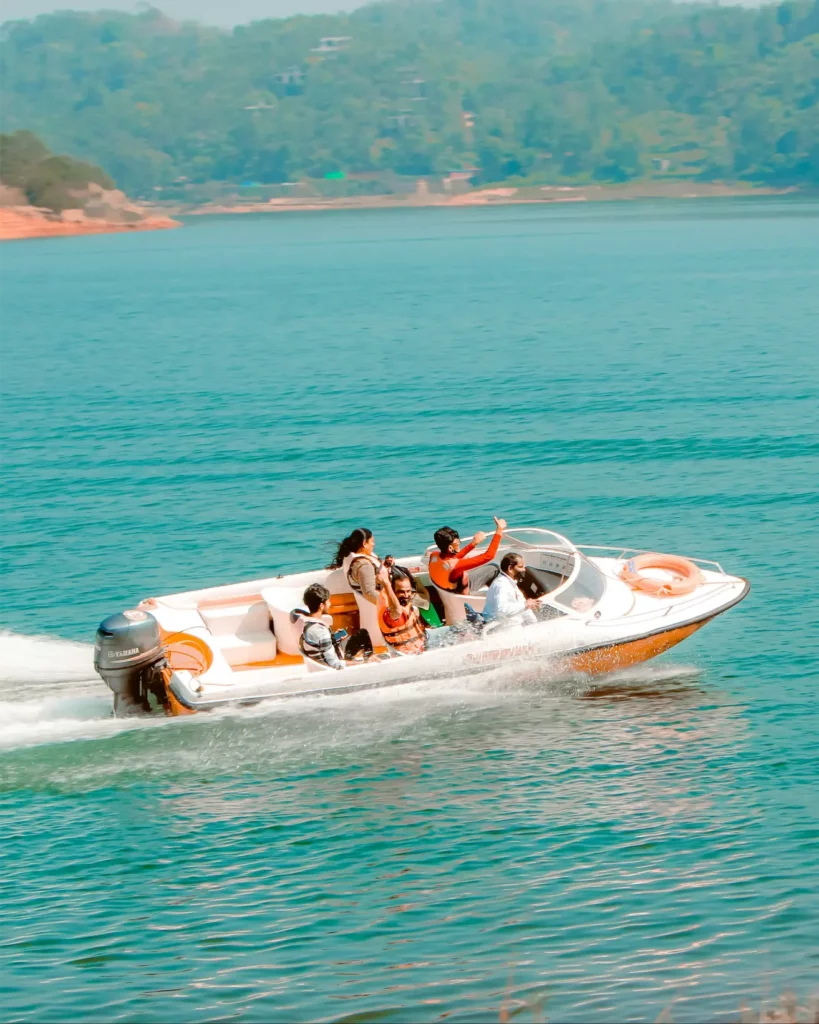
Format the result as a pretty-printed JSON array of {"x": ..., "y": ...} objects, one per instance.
[
  {"x": 401, "y": 625},
  {"x": 450, "y": 567}
]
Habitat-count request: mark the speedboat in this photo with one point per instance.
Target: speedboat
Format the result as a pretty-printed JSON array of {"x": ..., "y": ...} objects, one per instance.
[{"x": 599, "y": 609}]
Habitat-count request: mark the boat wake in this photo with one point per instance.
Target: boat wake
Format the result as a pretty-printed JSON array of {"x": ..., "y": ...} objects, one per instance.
[
  {"x": 49, "y": 692},
  {"x": 42, "y": 662}
]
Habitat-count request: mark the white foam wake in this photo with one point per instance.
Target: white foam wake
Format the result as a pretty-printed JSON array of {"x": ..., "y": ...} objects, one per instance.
[
  {"x": 48, "y": 690},
  {"x": 42, "y": 660}
]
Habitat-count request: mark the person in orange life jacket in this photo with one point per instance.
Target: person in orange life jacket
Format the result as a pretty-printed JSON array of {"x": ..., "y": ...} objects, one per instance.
[
  {"x": 401, "y": 625},
  {"x": 421, "y": 596},
  {"x": 451, "y": 569},
  {"x": 318, "y": 642},
  {"x": 356, "y": 556}
]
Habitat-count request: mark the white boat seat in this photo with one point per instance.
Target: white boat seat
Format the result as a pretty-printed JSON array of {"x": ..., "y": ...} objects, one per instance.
[
  {"x": 236, "y": 617},
  {"x": 368, "y": 615},
  {"x": 454, "y": 604},
  {"x": 246, "y": 649},
  {"x": 240, "y": 629},
  {"x": 280, "y": 603},
  {"x": 337, "y": 583}
]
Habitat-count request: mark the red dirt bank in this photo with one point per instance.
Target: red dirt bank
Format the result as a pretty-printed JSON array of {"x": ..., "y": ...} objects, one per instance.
[{"x": 28, "y": 222}]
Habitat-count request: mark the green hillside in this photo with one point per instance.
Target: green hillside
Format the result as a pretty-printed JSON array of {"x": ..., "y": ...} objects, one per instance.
[
  {"x": 538, "y": 90},
  {"x": 46, "y": 179}
]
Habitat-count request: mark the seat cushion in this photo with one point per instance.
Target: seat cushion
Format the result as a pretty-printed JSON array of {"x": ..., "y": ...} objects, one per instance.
[
  {"x": 280, "y": 602},
  {"x": 454, "y": 605}
]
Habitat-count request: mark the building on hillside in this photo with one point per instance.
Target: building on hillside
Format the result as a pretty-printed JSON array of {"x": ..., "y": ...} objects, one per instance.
[
  {"x": 330, "y": 45},
  {"x": 290, "y": 76},
  {"x": 398, "y": 122},
  {"x": 417, "y": 89},
  {"x": 459, "y": 180}
]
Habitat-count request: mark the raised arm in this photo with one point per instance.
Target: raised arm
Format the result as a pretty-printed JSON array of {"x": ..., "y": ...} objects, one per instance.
[
  {"x": 465, "y": 564},
  {"x": 389, "y": 594}
]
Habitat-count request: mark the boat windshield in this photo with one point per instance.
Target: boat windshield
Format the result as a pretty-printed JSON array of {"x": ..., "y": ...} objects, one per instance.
[
  {"x": 527, "y": 539},
  {"x": 585, "y": 590}
]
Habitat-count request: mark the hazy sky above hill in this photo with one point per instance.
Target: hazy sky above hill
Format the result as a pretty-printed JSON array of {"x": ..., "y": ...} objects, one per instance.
[{"x": 212, "y": 12}]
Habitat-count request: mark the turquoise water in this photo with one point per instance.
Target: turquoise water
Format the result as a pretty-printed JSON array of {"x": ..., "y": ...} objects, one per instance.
[{"x": 222, "y": 402}]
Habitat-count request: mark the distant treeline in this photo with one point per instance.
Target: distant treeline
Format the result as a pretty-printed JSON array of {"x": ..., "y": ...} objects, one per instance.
[
  {"x": 525, "y": 90},
  {"x": 47, "y": 180}
]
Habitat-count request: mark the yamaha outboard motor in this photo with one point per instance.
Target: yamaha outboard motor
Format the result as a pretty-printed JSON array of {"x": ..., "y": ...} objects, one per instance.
[{"x": 129, "y": 655}]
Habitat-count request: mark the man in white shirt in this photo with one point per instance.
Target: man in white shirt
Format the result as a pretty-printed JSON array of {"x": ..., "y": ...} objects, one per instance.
[{"x": 505, "y": 601}]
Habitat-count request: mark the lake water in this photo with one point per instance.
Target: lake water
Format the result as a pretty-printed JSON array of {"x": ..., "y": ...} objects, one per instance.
[{"x": 221, "y": 402}]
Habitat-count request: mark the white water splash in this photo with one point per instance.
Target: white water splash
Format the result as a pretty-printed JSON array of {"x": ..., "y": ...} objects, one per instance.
[
  {"x": 42, "y": 661},
  {"x": 49, "y": 693}
]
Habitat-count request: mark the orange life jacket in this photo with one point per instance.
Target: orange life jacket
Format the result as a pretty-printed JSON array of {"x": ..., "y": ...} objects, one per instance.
[
  {"x": 408, "y": 636},
  {"x": 440, "y": 569}
]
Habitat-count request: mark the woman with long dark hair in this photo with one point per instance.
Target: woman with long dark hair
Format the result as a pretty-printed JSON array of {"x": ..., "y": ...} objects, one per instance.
[{"x": 356, "y": 556}]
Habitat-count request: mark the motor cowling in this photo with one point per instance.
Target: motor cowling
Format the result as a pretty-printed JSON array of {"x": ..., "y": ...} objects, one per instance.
[{"x": 129, "y": 656}]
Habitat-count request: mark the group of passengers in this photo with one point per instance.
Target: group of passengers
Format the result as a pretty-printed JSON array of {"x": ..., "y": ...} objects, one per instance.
[{"x": 409, "y": 615}]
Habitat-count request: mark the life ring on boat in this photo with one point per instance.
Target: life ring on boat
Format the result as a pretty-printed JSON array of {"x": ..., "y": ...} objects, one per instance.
[{"x": 686, "y": 577}]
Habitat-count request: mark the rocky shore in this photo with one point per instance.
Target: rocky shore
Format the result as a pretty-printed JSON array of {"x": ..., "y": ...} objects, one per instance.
[{"x": 99, "y": 211}]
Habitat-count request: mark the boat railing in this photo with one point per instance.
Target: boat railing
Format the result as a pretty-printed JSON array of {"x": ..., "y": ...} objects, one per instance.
[
  {"x": 691, "y": 600},
  {"x": 625, "y": 553}
]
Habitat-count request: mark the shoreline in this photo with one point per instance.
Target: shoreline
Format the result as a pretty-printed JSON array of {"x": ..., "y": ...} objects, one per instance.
[
  {"x": 17, "y": 225},
  {"x": 20, "y": 223},
  {"x": 501, "y": 196}
]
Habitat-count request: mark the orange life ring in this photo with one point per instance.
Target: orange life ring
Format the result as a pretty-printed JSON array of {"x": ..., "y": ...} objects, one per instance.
[{"x": 686, "y": 575}]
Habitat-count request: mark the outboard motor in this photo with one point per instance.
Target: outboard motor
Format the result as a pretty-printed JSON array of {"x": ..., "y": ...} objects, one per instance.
[{"x": 129, "y": 655}]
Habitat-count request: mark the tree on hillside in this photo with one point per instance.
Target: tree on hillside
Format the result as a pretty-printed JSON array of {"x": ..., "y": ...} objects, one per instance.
[
  {"x": 540, "y": 90},
  {"x": 47, "y": 180}
]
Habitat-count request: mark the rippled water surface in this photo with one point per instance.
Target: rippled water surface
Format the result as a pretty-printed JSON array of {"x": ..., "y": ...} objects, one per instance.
[{"x": 221, "y": 402}]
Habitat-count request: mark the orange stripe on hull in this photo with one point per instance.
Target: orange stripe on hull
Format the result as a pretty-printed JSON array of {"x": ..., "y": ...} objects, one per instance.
[
  {"x": 632, "y": 652},
  {"x": 595, "y": 662},
  {"x": 280, "y": 661},
  {"x": 231, "y": 602},
  {"x": 173, "y": 706}
]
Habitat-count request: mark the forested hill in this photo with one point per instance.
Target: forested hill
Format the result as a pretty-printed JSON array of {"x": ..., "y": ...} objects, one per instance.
[
  {"x": 538, "y": 90},
  {"x": 42, "y": 178}
]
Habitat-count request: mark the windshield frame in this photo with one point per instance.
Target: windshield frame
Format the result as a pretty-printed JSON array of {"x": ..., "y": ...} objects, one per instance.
[
  {"x": 577, "y": 589},
  {"x": 535, "y": 538}
]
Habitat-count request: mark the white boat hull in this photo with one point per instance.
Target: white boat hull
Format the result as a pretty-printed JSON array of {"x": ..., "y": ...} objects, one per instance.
[
  {"x": 237, "y": 644},
  {"x": 568, "y": 644}
]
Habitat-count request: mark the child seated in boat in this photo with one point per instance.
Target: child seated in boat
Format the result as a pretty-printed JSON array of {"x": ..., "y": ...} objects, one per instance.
[{"x": 318, "y": 642}]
